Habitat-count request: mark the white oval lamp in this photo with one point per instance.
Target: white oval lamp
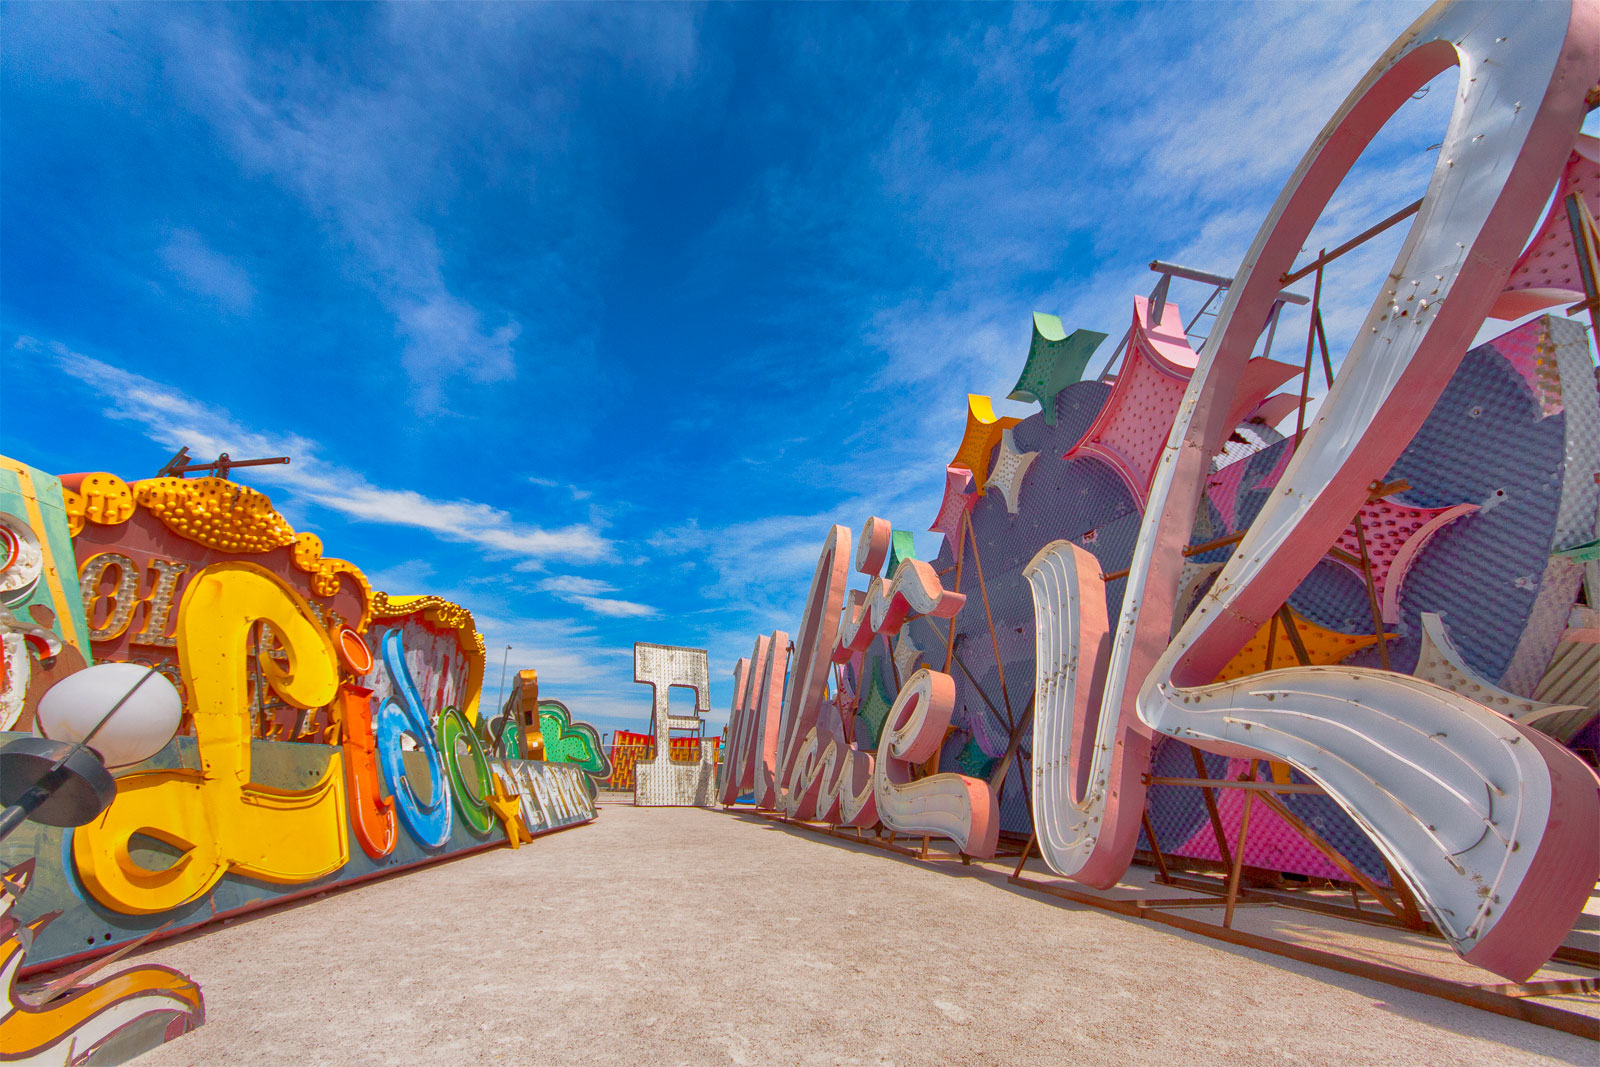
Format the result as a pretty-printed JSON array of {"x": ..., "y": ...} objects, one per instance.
[{"x": 145, "y": 721}]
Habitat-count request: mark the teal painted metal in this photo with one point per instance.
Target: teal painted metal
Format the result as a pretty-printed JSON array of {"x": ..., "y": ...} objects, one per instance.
[
  {"x": 58, "y": 552},
  {"x": 1584, "y": 553},
  {"x": 973, "y": 761},
  {"x": 902, "y": 546},
  {"x": 1055, "y": 361},
  {"x": 567, "y": 741}
]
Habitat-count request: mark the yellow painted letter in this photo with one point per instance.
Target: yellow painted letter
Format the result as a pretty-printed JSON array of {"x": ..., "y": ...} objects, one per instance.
[{"x": 220, "y": 820}]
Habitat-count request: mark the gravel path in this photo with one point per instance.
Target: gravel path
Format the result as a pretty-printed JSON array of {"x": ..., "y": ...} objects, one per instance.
[{"x": 679, "y": 936}]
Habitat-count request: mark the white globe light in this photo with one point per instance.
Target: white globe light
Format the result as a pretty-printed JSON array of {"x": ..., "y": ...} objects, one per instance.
[{"x": 141, "y": 727}]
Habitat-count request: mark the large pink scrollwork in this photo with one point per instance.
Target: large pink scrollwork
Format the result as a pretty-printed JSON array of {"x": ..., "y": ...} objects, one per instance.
[
  {"x": 821, "y": 774},
  {"x": 914, "y": 588},
  {"x": 738, "y": 765},
  {"x": 752, "y": 759},
  {"x": 949, "y": 805},
  {"x": 1495, "y": 828}
]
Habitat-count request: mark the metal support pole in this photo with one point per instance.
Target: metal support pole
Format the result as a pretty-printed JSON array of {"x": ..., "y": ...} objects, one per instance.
[
  {"x": 1305, "y": 379},
  {"x": 16, "y": 814},
  {"x": 1211, "y": 808},
  {"x": 1238, "y": 854},
  {"x": 1325, "y": 257},
  {"x": 994, "y": 638},
  {"x": 504, "y": 656}
]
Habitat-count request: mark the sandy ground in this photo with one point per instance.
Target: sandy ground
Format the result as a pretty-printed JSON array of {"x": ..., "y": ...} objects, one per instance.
[{"x": 679, "y": 936}]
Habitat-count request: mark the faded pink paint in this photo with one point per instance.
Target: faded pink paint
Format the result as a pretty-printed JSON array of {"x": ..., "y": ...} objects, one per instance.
[
  {"x": 1529, "y": 351},
  {"x": 1274, "y": 409},
  {"x": 1395, "y": 579},
  {"x": 1133, "y": 426},
  {"x": 1222, "y": 488},
  {"x": 1271, "y": 844},
  {"x": 1125, "y": 787},
  {"x": 885, "y": 606},
  {"x": 767, "y": 710},
  {"x": 958, "y": 500},
  {"x": 738, "y": 761},
  {"x": 953, "y": 805},
  {"x": 832, "y": 778},
  {"x": 1270, "y": 479},
  {"x": 816, "y": 764},
  {"x": 753, "y": 729},
  {"x": 1547, "y": 273},
  {"x": 825, "y": 777},
  {"x": 1395, "y": 535},
  {"x": 1439, "y": 352},
  {"x": 848, "y": 696},
  {"x": 966, "y": 808},
  {"x": 1568, "y": 853}
]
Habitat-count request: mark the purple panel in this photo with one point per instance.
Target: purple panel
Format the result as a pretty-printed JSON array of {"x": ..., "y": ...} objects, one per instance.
[
  {"x": 1586, "y": 743},
  {"x": 1179, "y": 815},
  {"x": 1081, "y": 500},
  {"x": 1481, "y": 573},
  {"x": 1059, "y": 499}
]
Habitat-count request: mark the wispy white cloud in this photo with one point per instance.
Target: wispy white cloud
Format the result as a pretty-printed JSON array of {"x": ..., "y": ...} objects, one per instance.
[
  {"x": 572, "y": 585},
  {"x": 1030, "y": 172},
  {"x": 573, "y": 491},
  {"x": 1179, "y": 163},
  {"x": 203, "y": 270},
  {"x": 758, "y": 569},
  {"x": 174, "y": 419},
  {"x": 589, "y": 593},
  {"x": 382, "y": 161},
  {"x": 578, "y": 664},
  {"x": 1048, "y": 181},
  {"x": 878, "y": 253},
  {"x": 615, "y": 609},
  {"x": 343, "y": 149}
]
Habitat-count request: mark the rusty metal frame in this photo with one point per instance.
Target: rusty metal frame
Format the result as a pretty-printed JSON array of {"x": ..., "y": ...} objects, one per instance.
[
  {"x": 1397, "y": 901},
  {"x": 1509, "y": 999}
]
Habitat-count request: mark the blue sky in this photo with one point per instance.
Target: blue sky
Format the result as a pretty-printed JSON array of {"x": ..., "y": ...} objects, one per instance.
[{"x": 593, "y": 318}]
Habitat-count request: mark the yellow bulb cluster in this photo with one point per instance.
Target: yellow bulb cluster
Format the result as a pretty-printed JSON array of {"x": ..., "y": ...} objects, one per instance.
[
  {"x": 325, "y": 572},
  {"x": 220, "y": 515},
  {"x": 74, "y": 505},
  {"x": 446, "y": 614},
  {"x": 216, "y": 513},
  {"x": 102, "y": 498},
  {"x": 325, "y": 579},
  {"x": 307, "y": 551}
]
